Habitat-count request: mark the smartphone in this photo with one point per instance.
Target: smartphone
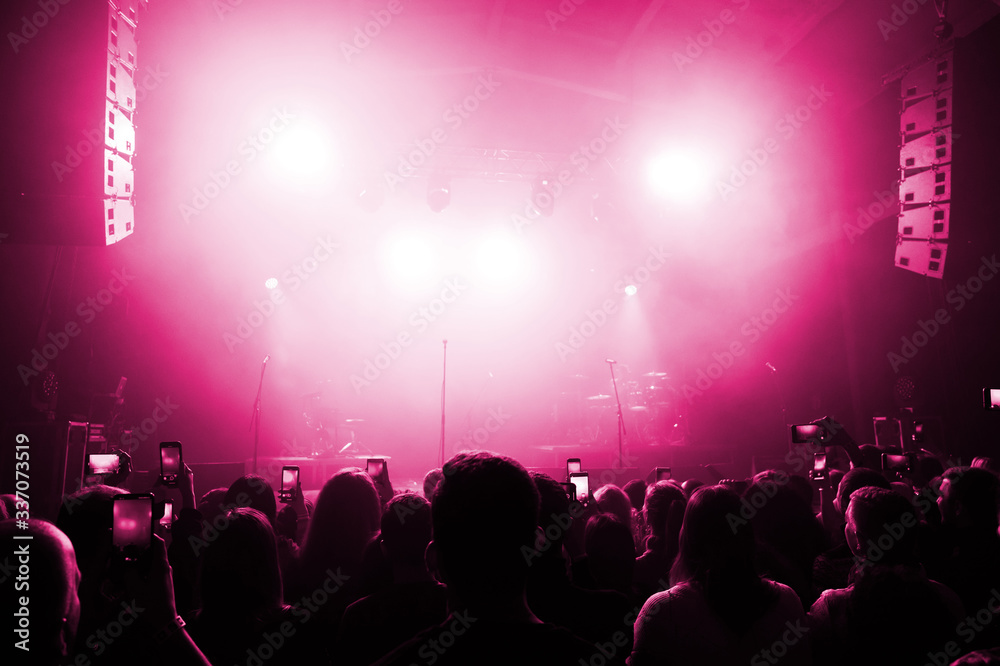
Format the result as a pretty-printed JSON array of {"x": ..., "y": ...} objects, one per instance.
[
  {"x": 289, "y": 483},
  {"x": 806, "y": 433},
  {"x": 375, "y": 467},
  {"x": 103, "y": 463},
  {"x": 895, "y": 463},
  {"x": 570, "y": 491},
  {"x": 991, "y": 398},
  {"x": 167, "y": 520},
  {"x": 132, "y": 527},
  {"x": 819, "y": 472},
  {"x": 573, "y": 466},
  {"x": 581, "y": 483},
  {"x": 171, "y": 462},
  {"x": 662, "y": 473}
]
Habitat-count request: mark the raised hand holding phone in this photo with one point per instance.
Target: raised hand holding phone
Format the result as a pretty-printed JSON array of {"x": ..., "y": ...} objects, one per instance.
[
  {"x": 171, "y": 463},
  {"x": 132, "y": 525},
  {"x": 290, "y": 486}
]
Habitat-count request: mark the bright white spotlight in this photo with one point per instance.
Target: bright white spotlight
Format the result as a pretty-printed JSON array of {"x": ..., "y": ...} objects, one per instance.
[
  {"x": 681, "y": 176},
  {"x": 631, "y": 290},
  {"x": 409, "y": 261},
  {"x": 302, "y": 150},
  {"x": 500, "y": 261},
  {"x": 271, "y": 283}
]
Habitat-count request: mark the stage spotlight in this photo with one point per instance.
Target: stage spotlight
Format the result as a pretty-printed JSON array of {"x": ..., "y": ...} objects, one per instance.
[
  {"x": 542, "y": 197},
  {"x": 271, "y": 283},
  {"x": 631, "y": 290},
  {"x": 302, "y": 150},
  {"x": 499, "y": 261},
  {"x": 681, "y": 176},
  {"x": 438, "y": 193},
  {"x": 410, "y": 261}
]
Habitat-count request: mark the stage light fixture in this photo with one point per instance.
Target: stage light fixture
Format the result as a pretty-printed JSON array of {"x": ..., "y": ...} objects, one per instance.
[
  {"x": 631, "y": 290},
  {"x": 271, "y": 283}
]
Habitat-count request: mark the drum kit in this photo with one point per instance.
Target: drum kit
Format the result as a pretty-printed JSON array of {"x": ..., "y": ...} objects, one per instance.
[
  {"x": 653, "y": 411},
  {"x": 325, "y": 432}
]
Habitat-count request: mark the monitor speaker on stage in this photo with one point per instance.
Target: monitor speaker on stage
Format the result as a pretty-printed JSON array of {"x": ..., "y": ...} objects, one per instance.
[{"x": 67, "y": 72}]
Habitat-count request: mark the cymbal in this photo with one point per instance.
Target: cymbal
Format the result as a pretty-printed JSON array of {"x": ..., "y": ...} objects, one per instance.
[
  {"x": 599, "y": 396},
  {"x": 354, "y": 420},
  {"x": 577, "y": 377},
  {"x": 655, "y": 374}
]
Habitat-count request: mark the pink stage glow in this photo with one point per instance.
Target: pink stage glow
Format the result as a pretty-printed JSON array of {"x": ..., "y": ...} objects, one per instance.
[
  {"x": 725, "y": 179},
  {"x": 681, "y": 176}
]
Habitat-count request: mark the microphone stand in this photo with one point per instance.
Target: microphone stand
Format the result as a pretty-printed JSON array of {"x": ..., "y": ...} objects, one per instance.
[
  {"x": 781, "y": 402},
  {"x": 255, "y": 418},
  {"x": 621, "y": 418},
  {"x": 444, "y": 376}
]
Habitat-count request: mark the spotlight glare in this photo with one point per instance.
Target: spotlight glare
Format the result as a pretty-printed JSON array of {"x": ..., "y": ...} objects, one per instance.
[
  {"x": 409, "y": 261},
  {"x": 631, "y": 290},
  {"x": 271, "y": 283},
  {"x": 681, "y": 176},
  {"x": 500, "y": 263},
  {"x": 302, "y": 151}
]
